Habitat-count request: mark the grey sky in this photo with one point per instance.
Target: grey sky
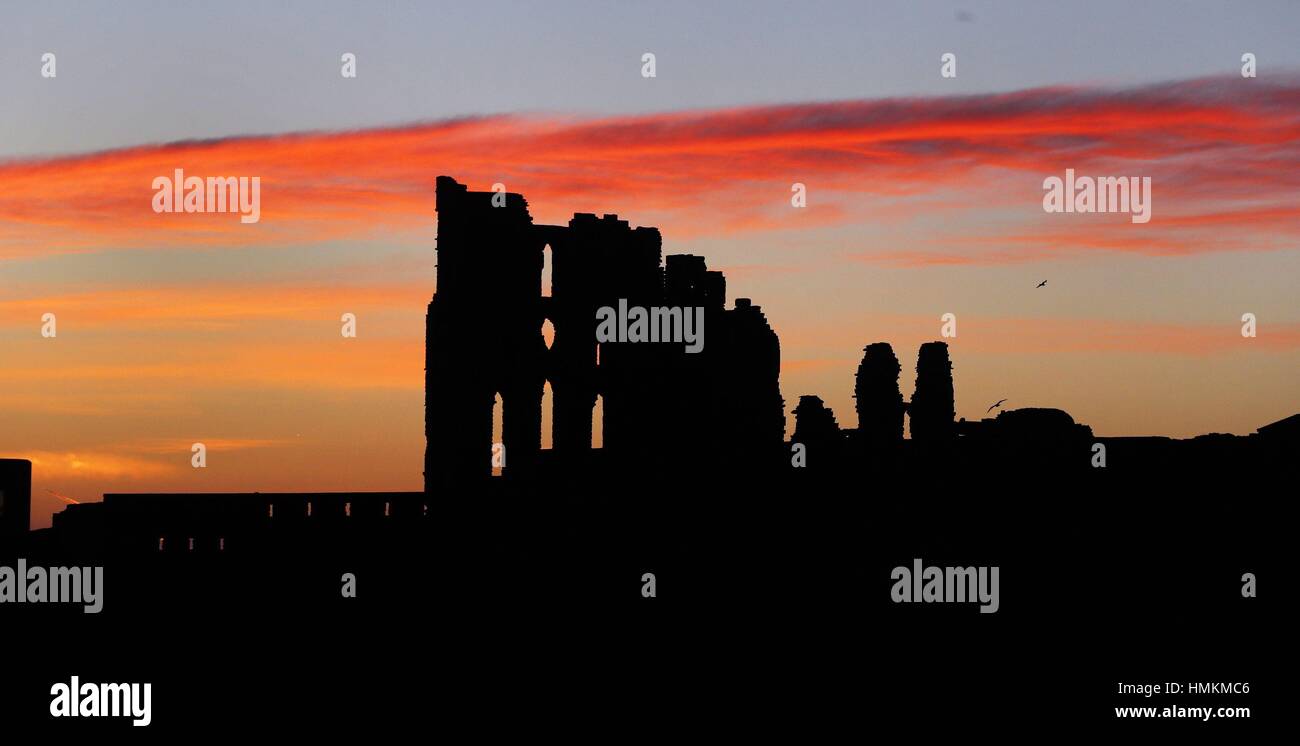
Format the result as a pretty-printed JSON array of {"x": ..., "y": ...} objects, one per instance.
[{"x": 137, "y": 72}]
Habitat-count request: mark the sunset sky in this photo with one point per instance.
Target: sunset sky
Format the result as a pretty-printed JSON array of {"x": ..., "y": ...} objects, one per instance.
[{"x": 924, "y": 198}]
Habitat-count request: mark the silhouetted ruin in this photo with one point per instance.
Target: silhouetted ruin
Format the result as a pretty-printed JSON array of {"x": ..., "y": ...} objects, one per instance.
[
  {"x": 15, "y": 498},
  {"x": 484, "y": 338},
  {"x": 1031, "y": 424},
  {"x": 692, "y": 467},
  {"x": 815, "y": 427},
  {"x": 880, "y": 405},
  {"x": 931, "y": 411},
  {"x": 814, "y": 420}
]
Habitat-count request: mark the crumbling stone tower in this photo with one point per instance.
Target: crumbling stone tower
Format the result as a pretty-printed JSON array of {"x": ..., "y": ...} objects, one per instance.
[
  {"x": 931, "y": 412},
  {"x": 483, "y": 337},
  {"x": 815, "y": 427},
  {"x": 813, "y": 420},
  {"x": 879, "y": 402}
]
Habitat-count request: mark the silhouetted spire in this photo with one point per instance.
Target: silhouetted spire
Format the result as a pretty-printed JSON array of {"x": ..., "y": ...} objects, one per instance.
[
  {"x": 931, "y": 412},
  {"x": 880, "y": 405}
]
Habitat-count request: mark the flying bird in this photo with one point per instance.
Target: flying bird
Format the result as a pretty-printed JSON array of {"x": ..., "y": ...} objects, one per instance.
[
  {"x": 995, "y": 406},
  {"x": 1044, "y": 282}
]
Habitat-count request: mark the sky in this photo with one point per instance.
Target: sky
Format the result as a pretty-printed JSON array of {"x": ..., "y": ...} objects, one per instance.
[{"x": 924, "y": 197}]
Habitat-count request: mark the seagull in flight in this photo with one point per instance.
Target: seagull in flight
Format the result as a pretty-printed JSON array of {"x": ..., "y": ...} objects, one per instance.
[
  {"x": 1044, "y": 282},
  {"x": 995, "y": 406}
]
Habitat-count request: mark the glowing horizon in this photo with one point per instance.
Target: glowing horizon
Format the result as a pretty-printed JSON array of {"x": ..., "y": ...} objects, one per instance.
[{"x": 182, "y": 328}]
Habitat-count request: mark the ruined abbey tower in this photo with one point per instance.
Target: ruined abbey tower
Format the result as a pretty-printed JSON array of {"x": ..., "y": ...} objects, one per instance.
[
  {"x": 879, "y": 402},
  {"x": 721, "y": 408},
  {"x": 931, "y": 412}
]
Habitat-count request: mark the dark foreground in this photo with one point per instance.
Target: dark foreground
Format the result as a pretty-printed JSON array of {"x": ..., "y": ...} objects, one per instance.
[{"x": 772, "y": 612}]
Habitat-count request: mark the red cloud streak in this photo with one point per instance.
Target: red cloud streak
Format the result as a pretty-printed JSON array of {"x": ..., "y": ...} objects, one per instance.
[{"x": 1223, "y": 153}]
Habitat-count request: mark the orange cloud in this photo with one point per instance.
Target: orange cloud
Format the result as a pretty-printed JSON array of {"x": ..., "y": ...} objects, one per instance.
[
  {"x": 329, "y": 362},
  {"x": 93, "y": 464},
  {"x": 1210, "y": 145},
  {"x": 214, "y": 305},
  {"x": 167, "y": 446}
]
